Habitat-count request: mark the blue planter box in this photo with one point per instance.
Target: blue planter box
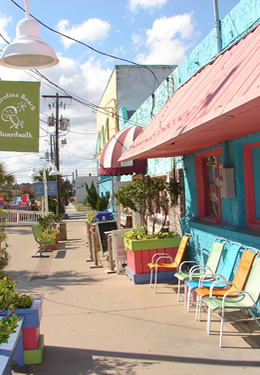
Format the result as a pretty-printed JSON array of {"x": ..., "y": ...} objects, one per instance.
[
  {"x": 12, "y": 351},
  {"x": 31, "y": 316}
]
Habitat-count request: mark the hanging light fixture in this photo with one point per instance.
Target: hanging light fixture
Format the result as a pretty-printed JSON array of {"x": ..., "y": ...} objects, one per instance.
[
  {"x": 28, "y": 50},
  {"x": 54, "y": 171}
]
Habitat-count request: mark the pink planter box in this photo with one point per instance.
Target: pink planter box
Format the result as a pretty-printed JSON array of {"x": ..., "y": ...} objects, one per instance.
[
  {"x": 137, "y": 260},
  {"x": 31, "y": 338}
]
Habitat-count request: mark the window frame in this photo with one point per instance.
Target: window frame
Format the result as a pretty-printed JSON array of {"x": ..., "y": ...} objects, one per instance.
[{"x": 250, "y": 212}]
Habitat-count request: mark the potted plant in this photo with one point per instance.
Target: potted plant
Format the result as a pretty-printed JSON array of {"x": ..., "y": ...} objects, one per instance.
[
  {"x": 147, "y": 197},
  {"x": 15, "y": 305},
  {"x": 49, "y": 224}
]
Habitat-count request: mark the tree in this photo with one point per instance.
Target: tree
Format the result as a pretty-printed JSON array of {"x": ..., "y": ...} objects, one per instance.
[
  {"x": 6, "y": 179},
  {"x": 66, "y": 191},
  {"x": 96, "y": 202},
  {"x": 6, "y": 182},
  {"x": 149, "y": 196}
]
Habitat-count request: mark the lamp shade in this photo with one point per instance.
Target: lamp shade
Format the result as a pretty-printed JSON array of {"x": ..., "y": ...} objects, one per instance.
[
  {"x": 54, "y": 171},
  {"x": 28, "y": 50},
  {"x": 34, "y": 173}
]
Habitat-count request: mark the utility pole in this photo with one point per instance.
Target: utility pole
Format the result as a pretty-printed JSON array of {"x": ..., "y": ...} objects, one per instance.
[{"x": 57, "y": 150}]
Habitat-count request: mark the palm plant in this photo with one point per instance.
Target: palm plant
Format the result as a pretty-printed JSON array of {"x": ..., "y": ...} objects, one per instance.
[{"x": 96, "y": 202}]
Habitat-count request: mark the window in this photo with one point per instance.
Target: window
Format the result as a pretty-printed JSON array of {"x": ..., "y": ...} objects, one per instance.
[
  {"x": 208, "y": 193},
  {"x": 251, "y": 157}
]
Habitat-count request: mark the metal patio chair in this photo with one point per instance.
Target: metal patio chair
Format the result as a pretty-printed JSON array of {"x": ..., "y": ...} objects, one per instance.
[
  {"x": 197, "y": 270},
  {"x": 245, "y": 299},
  {"x": 173, "y": 264}
]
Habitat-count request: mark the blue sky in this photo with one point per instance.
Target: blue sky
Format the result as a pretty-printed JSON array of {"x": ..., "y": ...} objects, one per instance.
[{"x": 142, "y": 31}]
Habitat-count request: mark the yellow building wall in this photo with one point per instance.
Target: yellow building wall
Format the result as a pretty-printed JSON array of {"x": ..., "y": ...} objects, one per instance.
[{"x": 107, "y": 114}]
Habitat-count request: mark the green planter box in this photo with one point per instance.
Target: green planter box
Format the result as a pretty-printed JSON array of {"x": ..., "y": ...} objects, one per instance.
[{"x": 150, "y": 244}]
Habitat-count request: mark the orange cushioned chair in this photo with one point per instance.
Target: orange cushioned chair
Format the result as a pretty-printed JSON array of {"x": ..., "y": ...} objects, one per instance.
[
  {"x": 237, "y": 283},
  {"x": 173, "y": 263}
]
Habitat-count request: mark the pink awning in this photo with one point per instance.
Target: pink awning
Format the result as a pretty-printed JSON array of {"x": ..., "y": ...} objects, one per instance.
[
  {"x": 219, "y": 103},
  {"x": 114, "y": 148}
]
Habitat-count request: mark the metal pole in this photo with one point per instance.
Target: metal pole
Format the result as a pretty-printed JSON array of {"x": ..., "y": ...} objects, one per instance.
[
  {"x": 45, "y": 187},
  {"x": 57, "y": 156},
  {"x": 217, "y": 26}
]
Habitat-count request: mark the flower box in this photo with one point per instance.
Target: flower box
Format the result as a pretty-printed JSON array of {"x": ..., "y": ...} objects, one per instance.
[
  {"x": 153, "y": 243},
  {"x": 30, "y": 328},
  {"x": 140, "y": 253}
]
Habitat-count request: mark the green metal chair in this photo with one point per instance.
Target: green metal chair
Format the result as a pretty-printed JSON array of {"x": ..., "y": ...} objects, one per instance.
[
  {"x": 42, "y": 239},
  {"x": 197, "y": 270},
  {"x": 245, "y": 299}
]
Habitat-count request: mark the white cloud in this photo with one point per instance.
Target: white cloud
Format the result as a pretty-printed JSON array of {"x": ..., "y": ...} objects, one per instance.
[
  {"x": 4, "y": 21},
  {"x": 95, "y": 77},
  {"x": 138, "y": 40},
  {"x": 169, "y": 27},
  {"x": 167, "y": 40},
  {"x": 164, "y": 52},
  {"x": 89, "y": 31},
  {"x": 87, "y": 81},
  {"x": 134, "y": 5}
]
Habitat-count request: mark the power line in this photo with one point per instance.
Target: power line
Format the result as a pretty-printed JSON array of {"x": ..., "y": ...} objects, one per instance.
[
  {"x": 76, "y": 98},
  {"x": 156, "y": 81}
]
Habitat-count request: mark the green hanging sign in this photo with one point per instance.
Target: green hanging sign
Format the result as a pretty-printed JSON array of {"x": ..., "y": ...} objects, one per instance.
[{"x": 19, "y": 116}]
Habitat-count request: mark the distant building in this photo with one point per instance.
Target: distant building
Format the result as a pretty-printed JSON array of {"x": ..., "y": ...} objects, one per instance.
[
  {"x": 81, "y": 192},
  {"x": 127, "y": 88}
]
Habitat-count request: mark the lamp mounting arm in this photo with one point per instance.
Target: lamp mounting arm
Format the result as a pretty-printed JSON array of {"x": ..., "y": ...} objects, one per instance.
[{"x": 27, "y": 10}]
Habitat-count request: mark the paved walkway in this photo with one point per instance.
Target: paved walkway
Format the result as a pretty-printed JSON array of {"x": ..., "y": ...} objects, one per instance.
[{"x": 99, "y": 323}]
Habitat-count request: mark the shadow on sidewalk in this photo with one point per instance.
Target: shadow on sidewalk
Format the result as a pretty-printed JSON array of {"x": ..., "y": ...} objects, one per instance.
[
  {"x": 57, "y": 280},
  {"x": 68, "y": 361}
]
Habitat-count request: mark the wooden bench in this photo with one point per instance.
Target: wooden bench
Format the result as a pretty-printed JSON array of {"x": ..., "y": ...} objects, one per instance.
[{"x": 12, "y": 351}]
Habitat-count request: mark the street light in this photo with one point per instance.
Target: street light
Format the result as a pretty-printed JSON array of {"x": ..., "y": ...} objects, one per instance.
[
  {"x": 36, "y": 173},
  {"x": 28, "y": 50}
]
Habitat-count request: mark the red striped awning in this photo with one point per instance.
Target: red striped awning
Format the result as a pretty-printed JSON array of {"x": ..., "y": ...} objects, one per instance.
[{"x": 113, "y": 150}]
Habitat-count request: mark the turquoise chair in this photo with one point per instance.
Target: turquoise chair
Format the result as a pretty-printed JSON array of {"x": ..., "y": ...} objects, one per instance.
[
  {"x": 14, "y": 205},
  {"x": 197, "y": 270},
  {"x": 225, "y": 273}
]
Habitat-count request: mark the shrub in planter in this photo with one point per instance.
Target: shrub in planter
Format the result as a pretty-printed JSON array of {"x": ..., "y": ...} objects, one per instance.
[
  {"x": 47, "y": 221},
  {"x": 9, "y": 298},
  {"x": 141, "y": 247},
  {"x": 141, "y": 235}
]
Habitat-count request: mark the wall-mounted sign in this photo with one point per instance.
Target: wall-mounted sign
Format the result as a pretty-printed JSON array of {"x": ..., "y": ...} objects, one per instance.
[{"x": 19, "y": 116}]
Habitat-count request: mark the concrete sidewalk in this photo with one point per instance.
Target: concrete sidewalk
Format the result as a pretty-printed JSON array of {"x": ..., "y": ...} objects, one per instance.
[{"x": 99, "y": 323}]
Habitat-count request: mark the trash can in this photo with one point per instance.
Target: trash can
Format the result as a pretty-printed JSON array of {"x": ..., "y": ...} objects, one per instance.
[
  {"x": 62, "y": 235},
  {"x": 104, "y": 216}
]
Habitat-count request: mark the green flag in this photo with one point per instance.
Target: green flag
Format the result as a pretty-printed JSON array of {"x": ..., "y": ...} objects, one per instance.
[{"x": 19, "y": 116}]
